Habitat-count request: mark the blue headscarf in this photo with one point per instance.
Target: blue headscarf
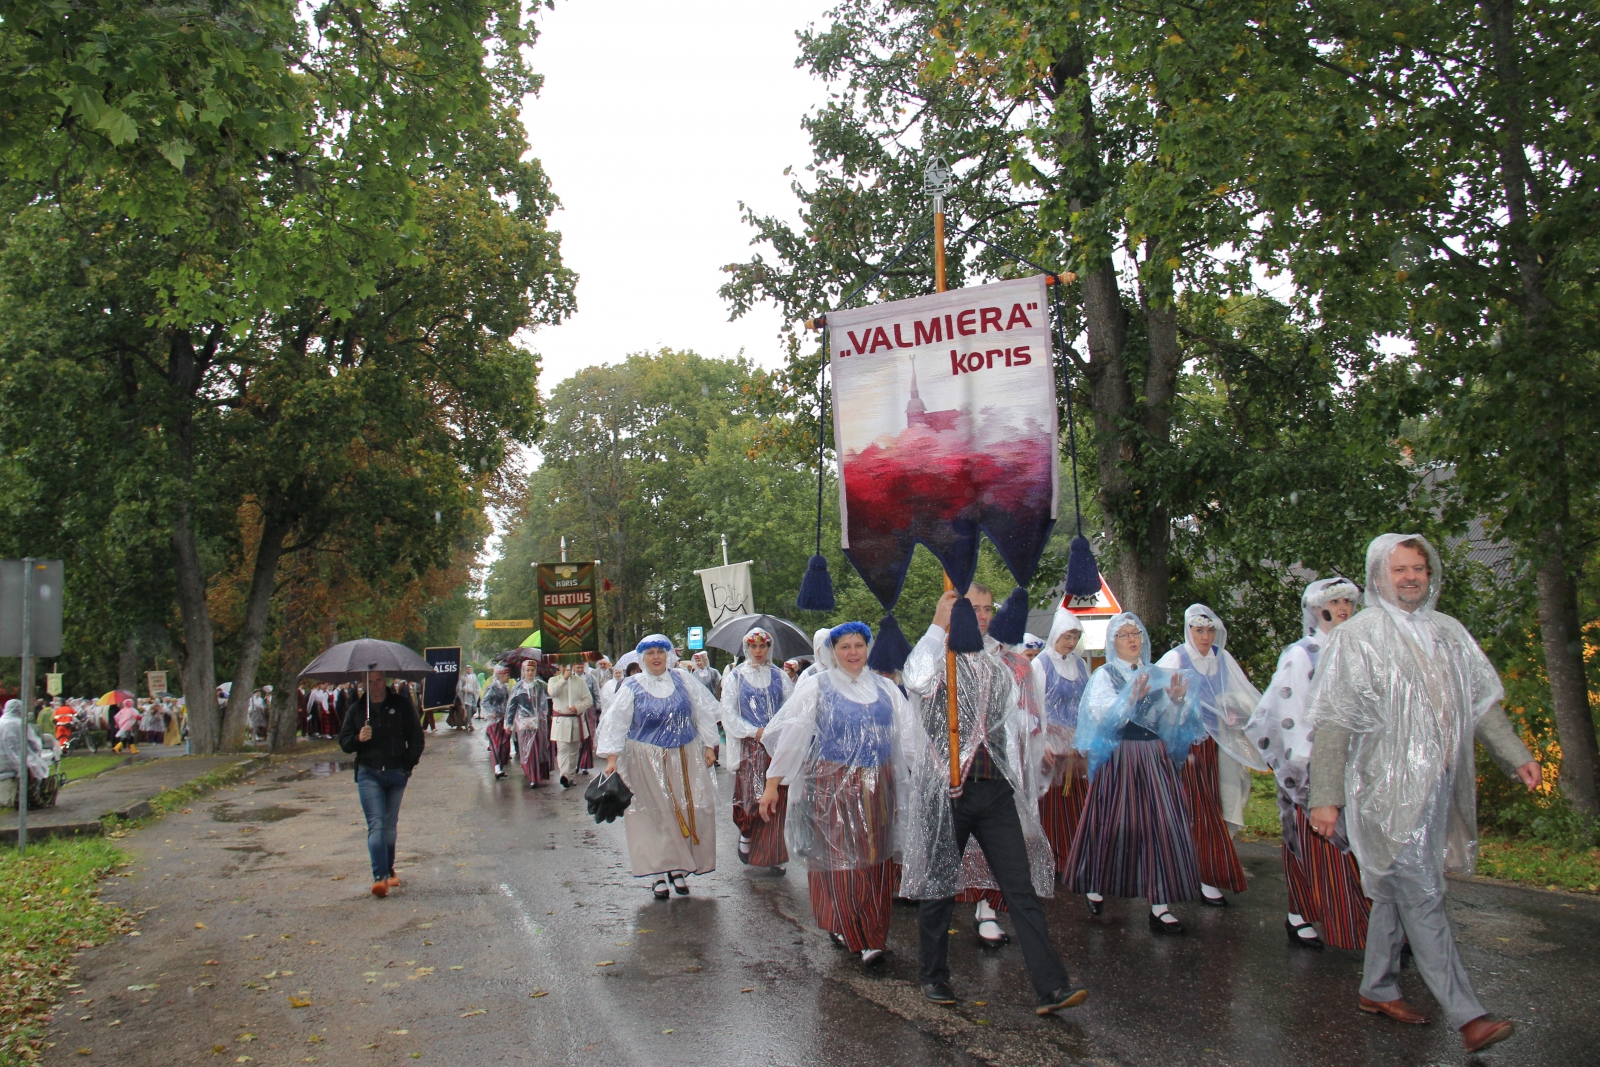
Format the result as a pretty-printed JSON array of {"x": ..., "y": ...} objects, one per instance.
[{"x": 846, "y": 629}]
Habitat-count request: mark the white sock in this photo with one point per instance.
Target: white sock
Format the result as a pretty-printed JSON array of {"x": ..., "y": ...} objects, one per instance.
[
  {"x": 744, "y": 844},
  {"x": 1296, "y": 920},
  {"x": 1096, "y": 897},
  {"x": 498, "y": 769},
  {"x": 1158, "y": 910},
  {"x": 985, "y": 911},
  {"x": 1211, "y": 891}
]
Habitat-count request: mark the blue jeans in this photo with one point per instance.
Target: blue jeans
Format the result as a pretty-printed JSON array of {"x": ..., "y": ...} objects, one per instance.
[{"x": 380, "y": 793}]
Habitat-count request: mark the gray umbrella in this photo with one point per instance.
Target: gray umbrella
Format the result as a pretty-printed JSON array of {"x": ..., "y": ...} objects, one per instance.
[
  {"x": 349, "y": 661},
  {"x": 788, "y": 640}
]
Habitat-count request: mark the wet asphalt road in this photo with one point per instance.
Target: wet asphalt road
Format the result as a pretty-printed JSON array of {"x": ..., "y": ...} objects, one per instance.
[{"x": 519, "y": 938}]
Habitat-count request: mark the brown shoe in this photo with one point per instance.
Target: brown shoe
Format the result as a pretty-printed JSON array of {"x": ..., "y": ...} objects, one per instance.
[
  {"x": 1483, "y": 1032},
  {"x": 380, "y": 888},
  {"x": 1396, "y": 1009},
  {"x": 394, "y": 880}
]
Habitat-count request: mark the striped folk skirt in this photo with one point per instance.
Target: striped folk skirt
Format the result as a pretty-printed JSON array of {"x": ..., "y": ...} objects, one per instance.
[
  {"x": 850, "y": 871},
  {"x": 1133, "y": 838},
  {"x": 767, "y": 848},
  {"x": 533, "y": 750},
  {"x": 1061, "y": 809},
  {"x": 499, "y": 742},
  {"x": 1219, "y": 862},
  {"x": 1325, "y": 886}
]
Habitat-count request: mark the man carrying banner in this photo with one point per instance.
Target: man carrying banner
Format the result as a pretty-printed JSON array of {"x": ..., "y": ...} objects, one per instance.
[
  {"x": 995, "y": 803},
  {"x": 496, "y": 703},
  {"x": 570, "y": 703},
  {"x": 752, "y": 693}
]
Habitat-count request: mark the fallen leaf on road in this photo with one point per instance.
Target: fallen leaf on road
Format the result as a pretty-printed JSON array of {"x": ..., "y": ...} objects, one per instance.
[
  {"x": 399, "y": 1033},
  {"x": 416, "y": 1055},
  {"x": 424, "y": 926},
  {"x": 142, "y": 988},
  {"x": 338, "y": 878},
  {"x": 217, "y": 1050},
  {"x": 85, "y": 1051},
  {"x": 369, "y": 974},
  {"x": 605, "y": 963},
  {"x": 270, "y": 974},
  {"x": 373, "y": 1045},
  {"x": 245, "y": 1037},
  {"x": 248, "y": 937},
  {"x": 114, "y": 1022},
  {"x": 748, "y": 989},
  {"x": 981, "y": 1022},
  {"x": 199, "y": 926},
  {"x": 420, "y": 972},
  {"x": 286, "y": 973},
  {"x": 474, "y": 1011},
  {"x": 980, "y": 1003},
  {"x": 425, "y": 941},
  {"x": 668, "y": 1030},
  {"x": 313, "y": 942},
  {"x": 314, "y": 1038},
  {"x": 210, "y": 963},
  {"x": 540, "y": 993},
  {"x": 296, "y": 1002},
  {"x": 457, "y": 967},
  {"x": 244, "y": 1059},
  {"x": 646, "y": 931}
]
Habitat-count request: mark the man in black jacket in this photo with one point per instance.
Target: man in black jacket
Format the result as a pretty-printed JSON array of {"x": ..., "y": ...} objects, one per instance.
[{"x": 386, "y": 736}]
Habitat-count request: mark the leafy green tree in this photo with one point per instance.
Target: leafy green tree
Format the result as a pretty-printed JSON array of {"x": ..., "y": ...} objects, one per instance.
[{"x": 320, "y": 237}]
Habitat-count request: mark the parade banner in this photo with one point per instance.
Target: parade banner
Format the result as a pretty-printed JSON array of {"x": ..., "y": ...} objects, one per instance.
[
  {"x": 439, "y": 688},
  {"x": 566, "y": 608},
  {"x": 944, "y": 418},
  {"x": 156, "y": 683},
  {"x": 727, "y": 591}
]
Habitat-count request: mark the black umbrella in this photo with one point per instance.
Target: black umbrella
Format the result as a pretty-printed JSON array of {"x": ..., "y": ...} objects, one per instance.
[
  {"x": 788, "y": 640},
  {"x": 349, "y": 661}
]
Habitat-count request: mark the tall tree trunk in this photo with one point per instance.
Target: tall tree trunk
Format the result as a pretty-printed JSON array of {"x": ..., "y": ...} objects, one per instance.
[
  {"x": 199, "y": 668},
  {"x": 236, "y": 719},
  {"x": 128, "y": 665},
  {"x": 1569, "y": 684},
  {"x": 284, "y": 710}
]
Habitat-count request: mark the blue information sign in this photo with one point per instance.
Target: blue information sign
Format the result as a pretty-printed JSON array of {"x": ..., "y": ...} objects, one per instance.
[{"x": 697, "y": 638}]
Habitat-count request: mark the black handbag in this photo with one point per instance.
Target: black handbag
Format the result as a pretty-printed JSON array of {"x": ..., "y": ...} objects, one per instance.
[{"x": 607, "y": 797}]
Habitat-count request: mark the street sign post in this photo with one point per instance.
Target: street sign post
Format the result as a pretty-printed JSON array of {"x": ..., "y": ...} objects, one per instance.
[{"x": 30, "y": 625}]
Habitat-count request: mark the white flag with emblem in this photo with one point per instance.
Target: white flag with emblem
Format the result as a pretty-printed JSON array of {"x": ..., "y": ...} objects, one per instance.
[{"x": 728, "y": 591}]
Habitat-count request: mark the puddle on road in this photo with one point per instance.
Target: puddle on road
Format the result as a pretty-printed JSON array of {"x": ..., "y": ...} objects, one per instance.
[
  {"x": 270, "y": 813},
  {"x": 323, "y": 769}
]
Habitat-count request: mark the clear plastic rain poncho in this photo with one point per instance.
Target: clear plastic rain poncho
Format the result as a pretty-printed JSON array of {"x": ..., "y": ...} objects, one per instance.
[
  {"x": 14, "y": 732},
  {"x": 989, "y": 712},
  {"x": 496, "y": 700},
  {"x": 1411, "y": 688},
  {"x": 823, "y": 650},
  {"x": 1281, "y": 726},
  {"x": 751, "y": 695},
  {"x": 837, "y": 744},
  {"x": 1064, "y": 679},
  {"x": 1116, "y": 697}
]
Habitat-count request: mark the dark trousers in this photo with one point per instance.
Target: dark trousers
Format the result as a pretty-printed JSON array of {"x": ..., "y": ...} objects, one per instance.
[{"x": 987, "y": 810}]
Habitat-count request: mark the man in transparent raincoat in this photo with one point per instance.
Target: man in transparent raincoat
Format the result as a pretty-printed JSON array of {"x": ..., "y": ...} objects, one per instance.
[
  {"x": 1000, "y": 749},
  {"x": 1400, "y": 693}
]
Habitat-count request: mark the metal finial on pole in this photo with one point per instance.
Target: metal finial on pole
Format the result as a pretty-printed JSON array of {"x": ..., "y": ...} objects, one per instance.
[
  {"x": 724, "y": 550},
  {"x": 937, "y": 181},
  {"x": 563, "y": 548}
]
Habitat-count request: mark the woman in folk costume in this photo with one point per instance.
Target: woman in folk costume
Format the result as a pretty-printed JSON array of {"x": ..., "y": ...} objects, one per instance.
[
  {"x": 1216, "y": 777},
  {"x": 495, "y": 703},
  {"x": 1323, "y": 879},
  {"x": 1136, "y": 725},
  {"x": 838, "y": 745},
  {"x": 752, "y": 693},
  {"x": 660, "y": 729},
  {"x": 528, "y": 723},
  {"x": 1063, "y": 672},
  {"x": 823, "y": 652}
]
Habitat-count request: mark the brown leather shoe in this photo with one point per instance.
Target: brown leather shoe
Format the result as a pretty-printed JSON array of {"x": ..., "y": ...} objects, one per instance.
[
  {"x": 1483, "y": 1032},
  {"x": 380, "y": 888},
  {"x": 1396, "y": 1009}
]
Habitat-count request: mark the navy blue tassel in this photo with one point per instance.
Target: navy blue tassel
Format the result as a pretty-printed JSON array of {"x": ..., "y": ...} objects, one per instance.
[
  {"x": 890, "y": 649},
  {"x": 1010, "y": 623},
  {"x": 964, "y": 633},
  {"x": 1083, "y": 576},
  {"x": 816, "y": 588}
]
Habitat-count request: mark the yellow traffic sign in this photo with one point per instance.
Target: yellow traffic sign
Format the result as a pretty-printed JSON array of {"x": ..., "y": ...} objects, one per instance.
[{"x": 502, "y": 624}]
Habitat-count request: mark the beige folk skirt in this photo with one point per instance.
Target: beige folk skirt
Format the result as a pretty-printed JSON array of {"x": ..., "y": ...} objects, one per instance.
[{"x": 671, "y": 823}]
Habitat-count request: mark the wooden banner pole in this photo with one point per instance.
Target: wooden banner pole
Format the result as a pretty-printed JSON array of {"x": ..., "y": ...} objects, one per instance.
[{"x": 953, "y": 709}]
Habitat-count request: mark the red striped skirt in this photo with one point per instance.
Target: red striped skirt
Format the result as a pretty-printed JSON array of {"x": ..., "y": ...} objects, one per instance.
[
  {"x": 766, "y": 835},
  {"x": 499, "y": 743},
  {"x": 851, "y": 873},
  {"x": 1060, "y": 811},
  {"x": 533, "y": 745},
  {"x": 1213, "y": 844},
  {"x": 1325, "y": 887},
  {"x": 855, "y": 904},
  {"x": 1133, "y": 838}
]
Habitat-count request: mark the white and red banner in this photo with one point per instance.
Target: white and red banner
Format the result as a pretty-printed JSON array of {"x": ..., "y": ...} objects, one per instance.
[{"x": 945, "y": 422}]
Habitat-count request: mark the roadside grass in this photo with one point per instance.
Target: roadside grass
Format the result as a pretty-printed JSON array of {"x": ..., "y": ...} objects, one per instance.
[
  {"x": 76, "y": 767},
  {"x": 1515, "y": 859},
  {"x": 50, "y": 911}
]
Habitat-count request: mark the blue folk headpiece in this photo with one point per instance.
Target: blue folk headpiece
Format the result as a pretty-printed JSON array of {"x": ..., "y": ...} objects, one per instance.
[{"x": 845, "y": 629}]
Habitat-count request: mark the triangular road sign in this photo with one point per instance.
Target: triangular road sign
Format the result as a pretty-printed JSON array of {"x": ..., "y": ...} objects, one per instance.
[{"x": 1102, "y": 605}]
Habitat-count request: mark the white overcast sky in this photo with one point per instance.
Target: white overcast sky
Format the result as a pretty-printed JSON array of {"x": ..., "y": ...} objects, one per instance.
[{"x": 655, "y": 121}]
